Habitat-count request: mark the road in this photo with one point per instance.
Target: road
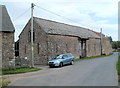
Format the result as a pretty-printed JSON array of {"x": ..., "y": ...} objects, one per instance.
[{"x": 93, "y": 72}]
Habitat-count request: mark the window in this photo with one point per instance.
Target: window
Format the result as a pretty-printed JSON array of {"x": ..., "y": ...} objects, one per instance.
[
  {"x": 56, "y": 48},
  {"x": 65, "y": 56},
  {"x": 59, "y": 56},
  {"x": 38, "y": 47},
  {"x": 74, "y": 47},
  {"x": 33, "y": 36},
  {"x": 67, "y": 48},
  {"x": 29, "y": 36},
  {"x": 25, "y": 49},
  {"x": 69, "y": 55}
]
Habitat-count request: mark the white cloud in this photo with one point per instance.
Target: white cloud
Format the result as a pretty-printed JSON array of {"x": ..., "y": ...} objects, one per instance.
[{"x": 92, "y": 14}]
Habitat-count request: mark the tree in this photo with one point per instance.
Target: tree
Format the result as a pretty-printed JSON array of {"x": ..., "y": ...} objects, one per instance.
[
  {"x": 110, "y": 38},
  {"x": 115, "y": 44},
  {"x": 118, "y": 44}
]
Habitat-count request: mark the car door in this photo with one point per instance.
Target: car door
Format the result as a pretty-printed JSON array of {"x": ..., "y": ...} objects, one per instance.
[
  {"x": 65, "y": 59},
  {"x": 69, "y": 58}
]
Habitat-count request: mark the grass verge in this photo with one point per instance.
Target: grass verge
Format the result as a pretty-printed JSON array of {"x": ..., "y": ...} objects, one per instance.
[
  {"x": 4, "y": 82},
  {"x": 19, "y": 70},
  {"x": 92, "y": 57},
  {"x": 118, "y": 68}
]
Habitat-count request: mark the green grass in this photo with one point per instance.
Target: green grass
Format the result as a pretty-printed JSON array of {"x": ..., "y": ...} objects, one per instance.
[
  {"x": 19, "y": 70},
  {"x": 5, "y": 82},
  {"x": 92, "y": 57},
  {"x": 116, "y": 51},
  {"x": 118, "y": 68}
]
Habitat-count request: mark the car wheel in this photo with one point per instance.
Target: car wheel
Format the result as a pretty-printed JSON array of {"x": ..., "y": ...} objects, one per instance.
[
  {"x": 72, "y": 62},
  {"x": 61, "y": 64}
]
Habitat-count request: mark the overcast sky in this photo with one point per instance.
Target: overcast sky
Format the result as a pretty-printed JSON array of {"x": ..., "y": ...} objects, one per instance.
[{"x": 92, "y": 14}]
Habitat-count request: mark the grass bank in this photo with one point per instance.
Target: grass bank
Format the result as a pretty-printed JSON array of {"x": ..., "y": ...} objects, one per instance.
[
  {"x": 4, "y": 82},
  {"x": 118, "y": 68},
  {"x": 92, "y": 57},
  {"x": 19, "y": 70}
]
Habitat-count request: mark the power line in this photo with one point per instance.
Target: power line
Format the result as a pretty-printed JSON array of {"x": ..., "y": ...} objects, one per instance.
[
  {"x": 22, "y": 14},
  {"x": 54, "y": 13},
  {"x": 62, "y": 16}
]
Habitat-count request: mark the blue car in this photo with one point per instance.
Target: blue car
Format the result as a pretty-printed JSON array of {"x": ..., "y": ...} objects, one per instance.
[{"x": 61, "y": 60}]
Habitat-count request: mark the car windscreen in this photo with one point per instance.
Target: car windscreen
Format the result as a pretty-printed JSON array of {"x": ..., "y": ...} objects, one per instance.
[{"x": 59, "y": 57}]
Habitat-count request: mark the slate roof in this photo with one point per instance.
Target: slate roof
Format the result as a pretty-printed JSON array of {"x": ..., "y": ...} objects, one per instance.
[
  {"x": 6, "y": 24},
  {"x": 53, "y": 27}
]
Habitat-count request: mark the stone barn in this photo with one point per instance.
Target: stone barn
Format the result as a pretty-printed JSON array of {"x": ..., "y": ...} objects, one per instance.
[
  {"x": 6, "y": 38},
  {"x": 51, "y": 38}
]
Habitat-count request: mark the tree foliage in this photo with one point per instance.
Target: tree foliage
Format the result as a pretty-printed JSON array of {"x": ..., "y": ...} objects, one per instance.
[
  {"x": 115, "y": 44},
  {"x": 110, "y": 38}
]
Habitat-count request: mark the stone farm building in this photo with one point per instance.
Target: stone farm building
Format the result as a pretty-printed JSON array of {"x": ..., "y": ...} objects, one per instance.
[
  {"x": 51, "y": 38},
  {"x": 6, "y": 38}
]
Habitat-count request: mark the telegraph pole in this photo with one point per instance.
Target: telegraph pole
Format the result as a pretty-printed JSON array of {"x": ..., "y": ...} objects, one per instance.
[
  {"x": 32, "y": 42},
  {"x": 101, "y": 39}
]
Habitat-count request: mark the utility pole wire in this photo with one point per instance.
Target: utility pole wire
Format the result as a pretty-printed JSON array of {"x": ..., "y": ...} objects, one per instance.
[
  {"x": 54, "y": 13},
  {"x": 49, "y": 12},
  {"x": 22, "y": 14},
  {"x": 61, "y": 16}
]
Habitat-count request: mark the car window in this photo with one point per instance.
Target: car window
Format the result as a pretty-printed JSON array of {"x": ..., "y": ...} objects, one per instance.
[
  {"x": 65, "y": 56},
  {"x": 69, "y": 55},
  {"x": 59, "y": 56}
]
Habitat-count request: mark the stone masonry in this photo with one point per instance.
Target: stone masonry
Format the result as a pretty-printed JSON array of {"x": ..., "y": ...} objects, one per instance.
[
  {"x": 49, "y": 40},
  {"x": 7, "y": 49},
  {"x": 6, "y": 39}
]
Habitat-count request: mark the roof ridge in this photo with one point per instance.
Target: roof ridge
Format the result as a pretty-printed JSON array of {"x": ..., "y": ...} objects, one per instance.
[
  {"x": 62, "y": 23},
  {"x": 65, "y": 29}
]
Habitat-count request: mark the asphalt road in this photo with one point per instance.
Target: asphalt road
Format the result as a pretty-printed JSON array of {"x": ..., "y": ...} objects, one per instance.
[{"x": 94, "y": 72}]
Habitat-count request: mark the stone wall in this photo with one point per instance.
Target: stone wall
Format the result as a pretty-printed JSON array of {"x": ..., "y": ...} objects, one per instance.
[
  {"x": 7, "y": 49},
  {"x": 24, "y": 45},
  {"x": 106, "y": 47},
  {"x": 93, "y": 47},
  {"x": 40, "y": 45},
  {"x": 21, "y": 62},
  {"x": 46, "y": 46},
  {"x": 58, "y": 44}
]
